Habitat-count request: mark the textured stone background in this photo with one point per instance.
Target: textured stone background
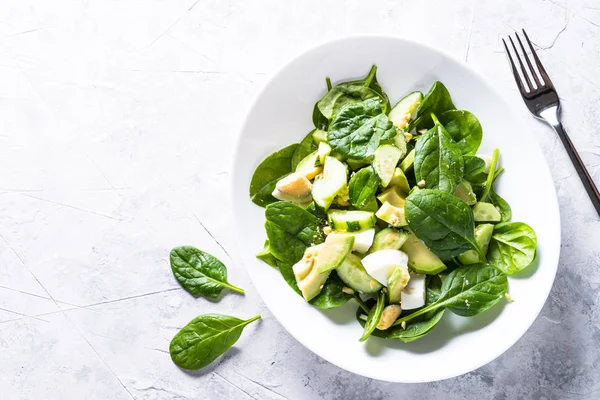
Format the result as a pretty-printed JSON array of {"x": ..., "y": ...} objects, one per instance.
[{"x": 117, "y": 120}]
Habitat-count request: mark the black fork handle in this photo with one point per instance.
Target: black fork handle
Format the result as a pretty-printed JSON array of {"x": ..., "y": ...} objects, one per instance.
[{"x": 582, "y": 171}]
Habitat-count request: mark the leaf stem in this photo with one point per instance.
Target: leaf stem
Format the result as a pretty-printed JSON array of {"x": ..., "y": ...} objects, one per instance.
[
  {"x": 232, "y": 287},
  {"x": 328, "y": 81},
  {"x": 370, "y": 75},
  {"x": 248, "y": 321},
  {"x": 490, "y": 179},
  {"x": 435, "y": 120},
  {"x": 361, "y": 303},
  {"x": 422, "y": 311}
]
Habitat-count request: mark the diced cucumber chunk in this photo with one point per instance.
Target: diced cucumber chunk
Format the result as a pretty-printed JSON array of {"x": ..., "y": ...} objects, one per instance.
[
  {"x": 400, "y": 143},
  {"x": 483, "y": 235},
  {"x": 392, "y": 215},
  {"x": 353, "y": 274},
  {"x": 409, "y": 161},
  {"x": 384, "y": 161},
  {"x": 400, "y": 180},
  {"x": 328, "y": 185},
  {"x": 464, "y": 191},
  {"x": 323, "y": 151},
  {"x": 319, "y": 136},
  {"x": 397, "y": 282},
  {"x": 333, "y": 251},
  {"x": 307, "y": 166},
  {"x": 351, "y": 221},
  {"x": 389, "y": 238},
  {"x": 486, "y": 212},
  {"x": 402, "y": 112},
  {"x": 392, "y": 196}
]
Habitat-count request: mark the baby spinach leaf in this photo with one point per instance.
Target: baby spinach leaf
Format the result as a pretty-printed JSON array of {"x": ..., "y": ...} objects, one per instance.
[
  {"x": 512, "y": 247},
  {"x": 363, "y": 186},
  {"x": 442, "y": 221},
  {"x": 287, "y": 272},
  {"x": 436, "y": 101},
  {"x": 268, "y": 172},
  {"x": 474, "y": 169},
  {"x": 205, "y": 338},
  {"x": 467, "y": 291},
  {"x": 501, "y": 205},
  {"x": 331, "y": 295},
  {"x": 290, "y": 230},
  {"x": 266, "y": 256},
  {"x": 199, "y": 272},
  {"x": 417, "y": 328},
  {"x": 491, "y": 176},
  {"x": 306, "y": 147},
  {"x": 374, "y": 316},
  {"x": 465, "y": 130},
  {"x": 359, "y": 129},
  {"x": 319, "y": 119},
  {"x": 438, "y": 160}
]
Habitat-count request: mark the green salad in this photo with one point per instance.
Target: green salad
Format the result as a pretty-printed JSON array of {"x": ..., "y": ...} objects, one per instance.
[{"x": 391, "y": 207}]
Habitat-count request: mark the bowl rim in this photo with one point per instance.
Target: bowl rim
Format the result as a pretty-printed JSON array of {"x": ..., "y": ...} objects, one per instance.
[{"x": 552, "y": 201}]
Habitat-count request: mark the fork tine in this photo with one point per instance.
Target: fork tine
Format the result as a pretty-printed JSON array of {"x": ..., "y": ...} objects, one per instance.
[
  {"x": 533, "y": 73},
  {"x": 514, "y": 70},
  {"x": 545, "y": 76},
  {"x": 525, "y": 75}
]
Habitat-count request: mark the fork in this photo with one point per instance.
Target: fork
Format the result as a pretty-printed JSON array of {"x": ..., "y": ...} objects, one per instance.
[{"x": 543, "y": 102}]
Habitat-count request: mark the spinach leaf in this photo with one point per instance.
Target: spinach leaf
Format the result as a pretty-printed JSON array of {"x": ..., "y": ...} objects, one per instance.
[
  {"x": 205, "y": 338},
  {"x": 501, "y": 205},
  {"x": 512, "y": 247},
  {"x": 331, "y": 295},
  {"x": 319, "y": 119},
  {"x": 359, "y": 129},
  {"x": 363, "y": 186},
  {"x": 306, "y": 147},
  {"x": 290, "y": 230},
  {"x": 374, "y": 316},
  {"x": 348, "y": 93},
  {"x": 287, "y": 272},
  {"x": 266, "y": 256},
  {"x": 491, "y": 176},
  {"x": 199, "y": 272},
  {"x": 467, "y": 291},
  {"x": 417, "y": 328},
  {"x": 442, "y": 221},
  {"x": 474, "y": 169},
  {"x": 465, "y": 130},
  {"x": 436, "y": 101},
  {"x": 268, "y": 172},
  {"x": 438, "y": 160}
]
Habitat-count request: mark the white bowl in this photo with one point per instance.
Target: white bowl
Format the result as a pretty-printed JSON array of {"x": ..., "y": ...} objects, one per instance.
[{"x": 281, "y": 115}]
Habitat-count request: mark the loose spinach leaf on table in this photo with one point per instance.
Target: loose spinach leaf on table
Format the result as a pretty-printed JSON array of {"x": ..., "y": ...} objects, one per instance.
[
  {"x": 474, "y": 169},
  {"x": 290, "y": 230},
  {"x": 199, "y": 272},
  {"x": 467, "y": 291},
  {"x": 306, "y": 147},
  {"x": 438, "y": 160},
  {"x": 331, "y": 295},
  {"x": 205, "y": 338},
  {"x": 268, "y": 172},
  {"x": 374, "y": 316},
  {"x": 512, "y": 247},
  {"x": 465, "y": 130},
  {"x": 436, "y": 101},
  {"x": 363, "y": 186},
  {"x": 442, "y": 221},
  {"x": 359, "y": 129}
]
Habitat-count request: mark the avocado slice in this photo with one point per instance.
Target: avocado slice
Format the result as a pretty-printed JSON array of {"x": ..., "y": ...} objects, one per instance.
[
  {"x": 333, "y": 252},
  {"x": 392, "y": 215},
  {"x": 392, "y": 196},
  {"x": 464, "y": 191},
  {"x": 483, "y": 235},
  {"x": 400, "y": 180},
  {"x": 309, "y": 280},
  {"x": 420, "y": 258},
  {"x": 354, "y": 275},
  {"x": 486, "y": 212},
  {"x": 389, "y": 238},
  {"x": 397, "y": 282}
]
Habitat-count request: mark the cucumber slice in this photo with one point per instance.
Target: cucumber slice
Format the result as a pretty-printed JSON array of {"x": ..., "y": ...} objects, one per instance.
[
  {"x": 409, "y": 161},
  {"x": 307, "y": 166},
  {"x": 392, "y": 196},
  {"x": 353, "y": 274},
  {"x": 483, "y": 235},
  {"x": 357, "y": 164},
  {"x": 351, "y": 221},
  {"x": 392, "y": 215},
  {"x": 402, "y": 112},
  {"x": 400, "y": 142},
  {"x": 464, "y": 191},
  {"x": 486, "y": 212},
  {"x": 397, "y": 282},
  {"x": 389, "y": 238},
  {"x": 384, "y": 161},
  {"x": 333, "y": 252},
  {"x": 323, "y": 151},
  {"x": 372, "y": 205},
  {"x": 333, "y": 180},
  {"x": 319, "y": 136},
  {"x": 400, "y": 180}
]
